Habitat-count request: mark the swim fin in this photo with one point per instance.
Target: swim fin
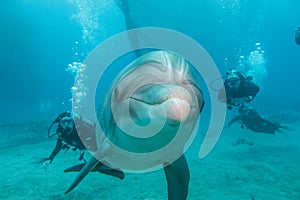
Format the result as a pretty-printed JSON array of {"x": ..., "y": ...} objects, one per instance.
[{"x": 100, "y": 167}]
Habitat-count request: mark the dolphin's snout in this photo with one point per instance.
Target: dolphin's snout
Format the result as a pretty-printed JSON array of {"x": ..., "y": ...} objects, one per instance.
[
  {"x": 177, "y": 103},
  {"x": 177, "y": 109},
  {"x": 175, "y": 100}
]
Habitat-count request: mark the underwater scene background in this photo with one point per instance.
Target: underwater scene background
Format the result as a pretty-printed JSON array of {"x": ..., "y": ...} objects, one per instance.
[{"x": 44, "y": 42}]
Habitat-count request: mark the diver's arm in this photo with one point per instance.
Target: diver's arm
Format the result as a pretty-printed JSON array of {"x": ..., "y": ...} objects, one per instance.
[
  {"x": 237, "y": 118},
  {"x": 56, "y": 150},
  {"x": 253, "y": 90}
]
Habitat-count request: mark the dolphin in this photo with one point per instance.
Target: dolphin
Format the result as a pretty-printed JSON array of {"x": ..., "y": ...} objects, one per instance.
[{"x": 150, "y": 111}]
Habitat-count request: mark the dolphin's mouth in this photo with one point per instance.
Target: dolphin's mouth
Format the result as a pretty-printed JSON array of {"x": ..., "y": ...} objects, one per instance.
[
  {"x": 142, "y": 101},
  {"x": 160, "y": 93},
  {"x": 175, "y": 100}
]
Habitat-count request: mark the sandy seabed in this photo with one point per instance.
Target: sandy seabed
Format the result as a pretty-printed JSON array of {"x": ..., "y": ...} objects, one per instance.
[{"x": 268, "y": 169}]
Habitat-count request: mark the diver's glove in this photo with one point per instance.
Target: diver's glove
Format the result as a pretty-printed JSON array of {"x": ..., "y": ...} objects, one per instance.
[{"x": 45, "y": 161}]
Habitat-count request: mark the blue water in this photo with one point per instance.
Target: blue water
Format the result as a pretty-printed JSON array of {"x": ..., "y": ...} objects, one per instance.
[{"x": 39, "y": 39}]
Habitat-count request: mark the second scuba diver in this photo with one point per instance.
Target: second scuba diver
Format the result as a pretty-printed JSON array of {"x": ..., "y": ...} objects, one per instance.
[{"x": 68, "y": 138}]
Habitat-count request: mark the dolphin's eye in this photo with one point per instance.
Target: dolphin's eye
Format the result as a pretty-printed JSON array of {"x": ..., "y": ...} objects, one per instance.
[{"x": 196, "y": 92}]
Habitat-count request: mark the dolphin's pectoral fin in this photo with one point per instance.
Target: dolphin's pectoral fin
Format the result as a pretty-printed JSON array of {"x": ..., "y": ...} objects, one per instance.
[
  {"x": 100, "y": 167},
  {"x": 89, "y": 166},
  {"x": 178, "y": 178}
]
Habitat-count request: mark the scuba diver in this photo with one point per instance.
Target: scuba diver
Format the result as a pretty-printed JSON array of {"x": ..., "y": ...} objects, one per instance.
[
  {"x": 297, "y": 35},
  {"x": 68, "y": 138},
  {"x": 250, "y": 119},
  {"x": 239, "y": 89}
]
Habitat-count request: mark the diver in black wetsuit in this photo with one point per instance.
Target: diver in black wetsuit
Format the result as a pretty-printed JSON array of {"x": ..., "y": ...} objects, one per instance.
[
  {"x": 239, "y": 89},
  {"x": 250, "y": 119},
  {"x": 68, "y": 138}
]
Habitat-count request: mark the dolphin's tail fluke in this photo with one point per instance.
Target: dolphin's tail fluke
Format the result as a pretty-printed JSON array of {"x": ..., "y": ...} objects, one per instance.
[{"x": 89, "y": 166}]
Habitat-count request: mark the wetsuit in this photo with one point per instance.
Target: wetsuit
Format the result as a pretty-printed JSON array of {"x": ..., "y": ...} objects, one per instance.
[
  {"x": 247, "y": 89},
  {"x": 67, "y": 139},
  {"x": 253, "y": 121}
]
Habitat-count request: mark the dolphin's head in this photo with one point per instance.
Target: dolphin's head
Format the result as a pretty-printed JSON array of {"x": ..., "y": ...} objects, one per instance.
[
  {"x": 155, "y": 95},
  {"x": 160, "y": 78}
]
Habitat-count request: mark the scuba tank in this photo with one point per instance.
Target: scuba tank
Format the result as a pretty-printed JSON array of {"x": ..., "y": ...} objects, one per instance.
[{"x": 58, "y": 121}]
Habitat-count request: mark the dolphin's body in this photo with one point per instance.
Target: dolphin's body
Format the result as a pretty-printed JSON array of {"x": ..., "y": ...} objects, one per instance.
[{"x": 160, "y": 95}]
